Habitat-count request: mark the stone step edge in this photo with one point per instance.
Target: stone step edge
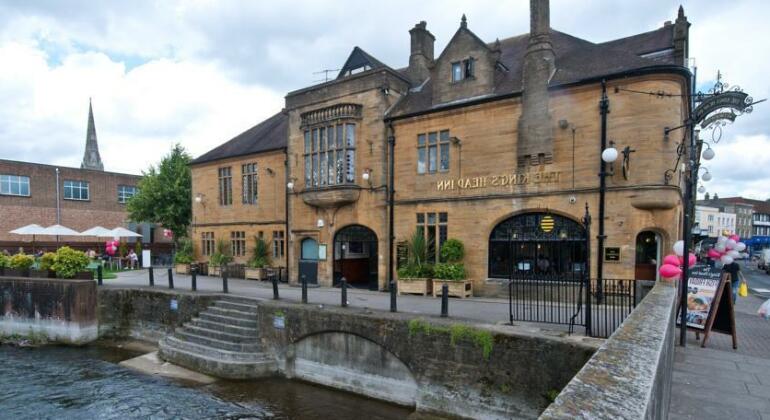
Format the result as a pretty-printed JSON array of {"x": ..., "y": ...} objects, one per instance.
[
  {"x": 221, "y": 324},
  {"x": 226, "y": 368},
  {"x": 241, "y": 299},
  {"x": 205, "y": 330},
  {"x": 200, "y": 349},
  {"x": 235, "y": 306},
  {"x": 247, "y": 316},
  {"x": 228, "y": 318},
  {"x": 216, "y": 341}
]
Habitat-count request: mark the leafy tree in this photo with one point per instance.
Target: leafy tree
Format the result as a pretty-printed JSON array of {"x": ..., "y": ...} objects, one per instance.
[{"x": 165, "y": 194}]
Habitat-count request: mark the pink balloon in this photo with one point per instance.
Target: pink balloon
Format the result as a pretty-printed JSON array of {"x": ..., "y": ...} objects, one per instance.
[
  {"x": 712, "y": 253},
  {"x": 671, "y": 259},
  {"x": 691, "y": 260},
  {"x": 670, "y": 271},
  {"x": 736, "y": 238}
]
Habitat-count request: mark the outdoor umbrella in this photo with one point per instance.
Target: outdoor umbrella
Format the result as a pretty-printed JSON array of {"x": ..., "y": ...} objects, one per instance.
[
  {"x": 98, "y": 231},
  {"x": 32, "y": 229},
  {"x": 59, "y": 230},
  {"x": 120, "y": 232}
]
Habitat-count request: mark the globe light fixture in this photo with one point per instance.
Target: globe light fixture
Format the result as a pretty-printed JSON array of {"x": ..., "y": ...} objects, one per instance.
[
  {"x": 706, "y": 177},
  {"x": 701, "y": 189},
  {"x": 290, "y": 185},
  {"x": 610, "y": 154},
  {"x": 366, "y": 175},
  {"x": 708, "y": 154}
]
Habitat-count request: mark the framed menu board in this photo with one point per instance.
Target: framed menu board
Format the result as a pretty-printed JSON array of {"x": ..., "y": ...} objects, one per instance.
[{"x": 709, "y": 303}]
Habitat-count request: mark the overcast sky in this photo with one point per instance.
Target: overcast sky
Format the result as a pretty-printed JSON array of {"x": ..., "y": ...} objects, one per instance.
[{"x": 200, "y": 72}]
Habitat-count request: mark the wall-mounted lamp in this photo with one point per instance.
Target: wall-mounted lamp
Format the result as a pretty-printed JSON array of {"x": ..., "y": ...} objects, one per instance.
[
  {"x": 367, "y": 176},
  {"x": 610, "y": 154},
  {"x": 199, "y": 198},
  {"x": 701, "y": 189},
  {"x": 320, "y": 223},
  {"x": 270, "y": 171},
  {"x": 707, "y": 176},
  {"x": 290, "y": 184},
  {"x": 708, "y": 154}
]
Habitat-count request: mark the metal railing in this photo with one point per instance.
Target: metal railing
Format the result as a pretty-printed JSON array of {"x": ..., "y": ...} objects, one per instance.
[{"x": 572, "y": 300}]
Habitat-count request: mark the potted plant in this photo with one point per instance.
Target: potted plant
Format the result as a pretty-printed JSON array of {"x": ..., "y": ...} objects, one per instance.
[
  {"x": 44, "y": 269},
  {"x": 71, "y": 264},
  {"x": 451, "y": 271},
  {"x": 260, "y": 259},
  {"x": 19, "y": 265},
  {"x": 415, "y": 276},
  {"x": 184, "y": 256},
  {"x": 221, "y": 257}
]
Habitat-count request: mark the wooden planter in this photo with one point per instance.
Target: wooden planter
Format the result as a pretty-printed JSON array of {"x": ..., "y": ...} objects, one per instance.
[
  {"x": 457, "y": 288},
  {"x": 182, "y": 268},
  {"x": 255, "y": 273},
  {"x": 417, "y": 285},
  {"x": 215, "y": 270},
  {"x": 16, "y": 272},
  {"x": 84, "y": 275}
]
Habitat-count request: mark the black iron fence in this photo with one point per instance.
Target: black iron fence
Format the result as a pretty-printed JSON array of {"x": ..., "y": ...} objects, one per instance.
[{"x": 573, "y": 300}]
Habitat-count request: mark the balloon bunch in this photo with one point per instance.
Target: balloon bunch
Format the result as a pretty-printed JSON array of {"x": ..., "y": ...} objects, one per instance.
[
  {"x": 110, "y": 247},
  {"x": 167, "y": 233},
  {"x": 672, "y": 263},
  {"x": 727, "y": 249}
]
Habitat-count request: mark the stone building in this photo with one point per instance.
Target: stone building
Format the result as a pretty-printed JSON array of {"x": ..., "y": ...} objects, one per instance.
[
  {"x": 78, "y": 198},
  {"x": 713, "y": 221},
  {"x": 753, "y": 218},
  {"x": 493, "y": 143}
]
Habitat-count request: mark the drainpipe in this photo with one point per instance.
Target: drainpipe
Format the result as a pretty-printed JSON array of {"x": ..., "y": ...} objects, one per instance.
[
  {"x": 58, "y": 205},
  {"x": 604, "y": 109},
  {"x": 391, "y": 193},
  {"x": 286, "y": 211}
]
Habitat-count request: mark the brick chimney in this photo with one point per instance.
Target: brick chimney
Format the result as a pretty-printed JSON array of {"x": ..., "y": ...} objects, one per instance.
[
  {"x": 421, "y": 52},
  {"x": 535, "y": 135}
]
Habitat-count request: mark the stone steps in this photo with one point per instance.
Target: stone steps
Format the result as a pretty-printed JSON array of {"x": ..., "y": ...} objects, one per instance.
[{"x": 222, "y": 341}]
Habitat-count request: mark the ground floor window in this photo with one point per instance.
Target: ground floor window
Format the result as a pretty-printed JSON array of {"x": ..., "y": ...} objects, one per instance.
[
  {"x": 278, "y": 244},
  {"x": 238, "y": 243},
  {"x": 434, "y": 226},
  {"x": 537, "y": 243},
  {"x": 207, "y": 243}
]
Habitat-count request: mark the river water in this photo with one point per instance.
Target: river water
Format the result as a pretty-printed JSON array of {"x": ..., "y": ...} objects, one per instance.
[{"x": 87, "y": 383}]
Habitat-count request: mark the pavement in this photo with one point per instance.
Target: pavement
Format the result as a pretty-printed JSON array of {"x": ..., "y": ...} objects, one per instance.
[
  {"x": 476, "y": 309},
  {"x": 718, "y": 382}
]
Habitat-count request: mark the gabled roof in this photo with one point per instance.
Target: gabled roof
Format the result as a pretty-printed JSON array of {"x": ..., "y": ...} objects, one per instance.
[
  {"x": 359, "y": 58},
  {"x": 270, "y": 134},
  {"x": 576, "y": 60}
]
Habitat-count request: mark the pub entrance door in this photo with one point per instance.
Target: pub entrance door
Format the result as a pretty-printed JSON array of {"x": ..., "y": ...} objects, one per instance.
[
  {"x": 308, "y": 261},
  {"x": 647, "y": 255}
]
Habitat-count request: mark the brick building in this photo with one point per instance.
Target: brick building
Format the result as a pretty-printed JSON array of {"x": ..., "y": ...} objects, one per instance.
[
  {"x": 78, "y": 198},
  {"x": 493, "y": 143},
  {"x": 753, "y": 218}
]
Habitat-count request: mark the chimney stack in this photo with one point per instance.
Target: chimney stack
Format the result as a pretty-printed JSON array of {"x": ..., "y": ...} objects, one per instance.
[
  {"x": 535, "y": 134},
  {"x": 421, "y": 52}
]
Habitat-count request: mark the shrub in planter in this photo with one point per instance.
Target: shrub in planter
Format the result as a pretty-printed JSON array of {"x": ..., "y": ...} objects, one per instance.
[
  {"x": 184, "y": 256},
  {"x": 449, "y": 271},
  {"x": 70, "y": 263},
  {"x": 19, "y": 265},
  {"x": 47, "y": 261},
  {"x": 221, "y": 257},
  {"x": 260, "y": 259},
  {"x": 452, "y": 251},
  {"x": 4, "y": 261}
]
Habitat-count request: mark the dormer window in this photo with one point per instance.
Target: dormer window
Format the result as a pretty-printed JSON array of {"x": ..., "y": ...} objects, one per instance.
[{"x": 462, "y": 70}]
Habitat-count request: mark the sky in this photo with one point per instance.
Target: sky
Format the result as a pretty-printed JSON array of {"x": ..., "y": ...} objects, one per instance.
[{"x": 198, "y": 72}]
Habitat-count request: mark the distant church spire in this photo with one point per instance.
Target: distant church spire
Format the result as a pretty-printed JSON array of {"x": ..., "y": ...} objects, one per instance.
[{"x": 91, "y": 158}]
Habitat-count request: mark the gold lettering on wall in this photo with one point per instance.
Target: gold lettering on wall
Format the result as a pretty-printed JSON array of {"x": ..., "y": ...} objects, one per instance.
[{"x": 505, "y": 180}]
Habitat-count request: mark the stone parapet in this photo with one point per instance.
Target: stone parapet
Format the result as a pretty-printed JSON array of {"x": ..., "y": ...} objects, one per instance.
[{"x": 629, "y": 377}]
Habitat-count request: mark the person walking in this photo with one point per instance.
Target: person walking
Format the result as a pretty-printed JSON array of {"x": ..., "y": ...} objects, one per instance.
[{"x": 736, "y": 276}]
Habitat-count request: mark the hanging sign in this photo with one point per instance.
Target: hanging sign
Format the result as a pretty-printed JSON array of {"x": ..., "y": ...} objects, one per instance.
[
  {"x": 737, "y": 101},
  {"x": 719, "y": 116}
]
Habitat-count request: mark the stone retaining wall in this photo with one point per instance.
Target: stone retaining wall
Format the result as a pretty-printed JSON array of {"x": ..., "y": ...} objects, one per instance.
[
  {"x": 59, "y": 310},
  {"x": 629, "y": 377}
]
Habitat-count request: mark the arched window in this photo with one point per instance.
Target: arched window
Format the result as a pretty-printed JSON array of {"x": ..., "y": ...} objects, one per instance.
[{"x": 535, "y": 243}]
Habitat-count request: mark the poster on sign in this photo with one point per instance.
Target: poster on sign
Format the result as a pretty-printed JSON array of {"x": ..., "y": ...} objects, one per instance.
[{"x": 701, "y": 290}]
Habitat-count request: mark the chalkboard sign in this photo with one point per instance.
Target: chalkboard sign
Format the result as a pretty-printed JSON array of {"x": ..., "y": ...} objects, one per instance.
[
  {"x": 709, "y": 303},
  {"x": 612, "y": 254}
]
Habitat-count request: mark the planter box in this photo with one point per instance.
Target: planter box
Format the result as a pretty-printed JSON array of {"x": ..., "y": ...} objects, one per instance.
[
  {"x": 255, "y": 273},
  {"x": 457, "y": 288},
  {"x": 215, "y": 270},
  {"x": 42, "y": 274},
  {"x": 84, "y": 275},
  {"x": 420, "y": 286},
  {"x": 16, "y": 272},
  {"x": 182, "y": 268}
]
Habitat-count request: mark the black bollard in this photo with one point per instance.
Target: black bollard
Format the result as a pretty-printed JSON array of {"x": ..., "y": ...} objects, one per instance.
[
  {"x": 170, "y": 278},
  {"x": 152, "y": 276},
  {"x": 194, "y": 274},
  {"x": 393, "y": 293},
  {"x": 224, "y": 280},
  {"x": 275, "y": 286},
  {"x": 304, "y": 289},
  {"x": 444, "y": 300},
  {"x": 344, "y": 289},
  {"x": 99, "y": 275}
]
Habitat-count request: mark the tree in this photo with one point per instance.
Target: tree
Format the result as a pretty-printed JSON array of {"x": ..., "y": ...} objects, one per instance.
[{"x": 165, "y": 194}]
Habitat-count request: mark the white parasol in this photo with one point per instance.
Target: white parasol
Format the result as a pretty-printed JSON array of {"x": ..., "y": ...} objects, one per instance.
[
  {"x": 120, "y": 232},
  {"x": 32, "y": 229}
]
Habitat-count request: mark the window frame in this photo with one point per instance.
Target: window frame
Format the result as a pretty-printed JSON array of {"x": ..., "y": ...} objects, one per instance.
[
  {"x": 441, "y": 144},
  {"x": 438, "y": 228},
  {"x": 122, "y": 199},
  {"x": 279, "y": 244},
  {"x": 9, "y": 178},
  {"x": 238, "y": 243},
  {"x": 250, "y": 183},
  {"x": 207, "y": 243},
  {"x": 80, "y": 187},
  {"x": 330, "y": 154},
  {"x": 466, "y": 68},
  {"x": 225, "y": 182}
]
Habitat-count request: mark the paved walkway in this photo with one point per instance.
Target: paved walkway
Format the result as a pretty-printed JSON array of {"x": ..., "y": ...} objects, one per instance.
[
  {"x": 718, "y": 382},
  {"x": 485, "y": 310}
]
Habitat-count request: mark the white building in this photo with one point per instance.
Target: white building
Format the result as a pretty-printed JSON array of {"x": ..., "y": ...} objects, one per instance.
[{"x": 712, "y": 221}]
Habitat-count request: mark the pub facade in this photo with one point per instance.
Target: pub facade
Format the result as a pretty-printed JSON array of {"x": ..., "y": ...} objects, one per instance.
[{"x": 497, "y": 144}]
